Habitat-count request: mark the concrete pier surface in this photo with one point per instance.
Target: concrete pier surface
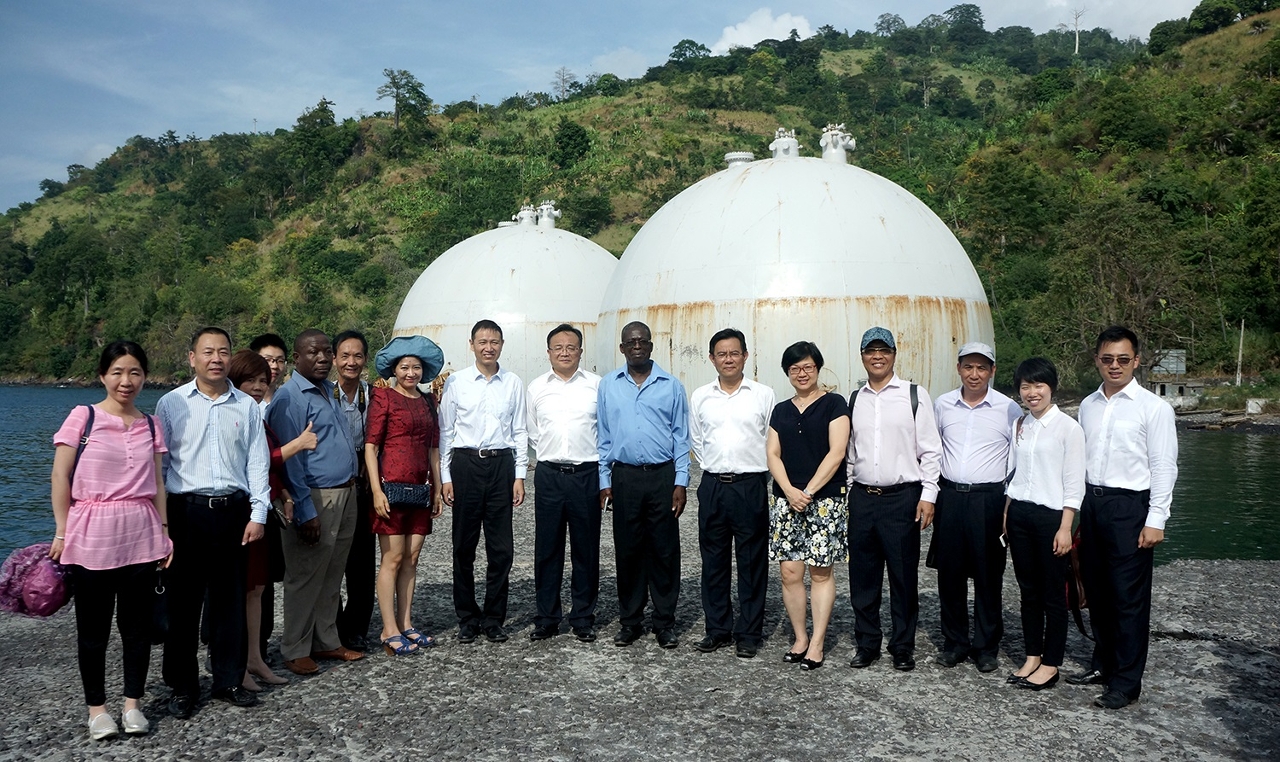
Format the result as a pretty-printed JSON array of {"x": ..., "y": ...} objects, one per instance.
[{"x": 1212, "y": 688}]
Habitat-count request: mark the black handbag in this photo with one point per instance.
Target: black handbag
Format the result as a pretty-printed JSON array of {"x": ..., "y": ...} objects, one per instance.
[{"x": 399, "y": 493}]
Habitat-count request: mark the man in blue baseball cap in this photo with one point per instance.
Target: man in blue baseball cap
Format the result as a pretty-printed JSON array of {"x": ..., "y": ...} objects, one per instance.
[{"x": 892, "y": 468}]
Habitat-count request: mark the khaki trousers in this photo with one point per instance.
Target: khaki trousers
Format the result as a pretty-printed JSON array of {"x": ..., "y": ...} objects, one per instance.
[{"x": 313, "y": 575}]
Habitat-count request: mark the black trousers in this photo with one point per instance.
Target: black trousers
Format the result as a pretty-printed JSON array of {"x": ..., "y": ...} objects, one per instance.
[
  {"x": 734, "y": 516},
  {"x": 883, "y": 534},
  {"x": 97, "y": 593},
  {"x": 356, "y": 611},
  {"x": 208, "y": 561},
  {"x": 566, "y": 503},
  {"x": 646, "y": 538},
  {"x": 1117, "y": 582},
  {"x": 482, "y": 501},
  {"x": 1042, "y": 578},
  {"x": 966, "y": 545}
]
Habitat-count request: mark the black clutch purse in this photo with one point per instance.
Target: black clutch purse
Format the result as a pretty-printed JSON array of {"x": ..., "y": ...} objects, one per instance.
[{"x": 407, "y": 494}]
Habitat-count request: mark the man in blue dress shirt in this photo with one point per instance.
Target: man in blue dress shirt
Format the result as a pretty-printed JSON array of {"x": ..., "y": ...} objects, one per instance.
[
  {"x": 643, "y": 426},
  {"x": 322, "y": 483}
]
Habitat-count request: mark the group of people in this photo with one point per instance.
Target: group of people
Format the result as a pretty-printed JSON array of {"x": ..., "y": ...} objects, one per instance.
[{"x": 240, "y": 481}]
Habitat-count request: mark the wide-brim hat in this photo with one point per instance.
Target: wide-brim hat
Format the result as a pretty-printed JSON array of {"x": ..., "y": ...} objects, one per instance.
[{"x": 426, "y": 350}]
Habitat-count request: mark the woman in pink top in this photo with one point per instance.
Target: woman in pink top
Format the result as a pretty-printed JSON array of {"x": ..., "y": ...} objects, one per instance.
[{"x": 111, "y": 530}]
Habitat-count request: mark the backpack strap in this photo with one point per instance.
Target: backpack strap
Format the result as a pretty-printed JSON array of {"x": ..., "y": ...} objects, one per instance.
[
  {"x": 915, "y": 400},
  {"x": 151, "y": 424},
  {"x": 84, "y": 440}
]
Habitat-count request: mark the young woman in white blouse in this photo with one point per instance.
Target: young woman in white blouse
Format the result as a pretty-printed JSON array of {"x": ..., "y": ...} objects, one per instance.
[{"x": 1047, "y": 462}]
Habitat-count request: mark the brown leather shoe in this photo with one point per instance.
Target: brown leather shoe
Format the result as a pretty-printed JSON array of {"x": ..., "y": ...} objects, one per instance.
[
  {"x": 341, "y": 653},
  {"x": 303, "y": 666}
]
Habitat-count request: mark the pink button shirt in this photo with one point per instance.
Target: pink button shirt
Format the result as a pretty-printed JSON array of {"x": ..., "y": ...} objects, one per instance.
[
  {"x": 887, "y": 446},
  {"x": 113, "y": 521}
]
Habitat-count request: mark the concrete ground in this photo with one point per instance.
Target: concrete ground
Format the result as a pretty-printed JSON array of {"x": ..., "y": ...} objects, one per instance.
[{"x": 1212, "y": 688}]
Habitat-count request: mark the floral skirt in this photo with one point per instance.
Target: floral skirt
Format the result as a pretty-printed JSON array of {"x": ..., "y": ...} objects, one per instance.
[{"x": 819, "y": 535}]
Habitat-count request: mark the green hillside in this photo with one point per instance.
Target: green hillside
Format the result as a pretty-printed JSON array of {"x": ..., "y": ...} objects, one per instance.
[{"x": 1091, "y": 187}]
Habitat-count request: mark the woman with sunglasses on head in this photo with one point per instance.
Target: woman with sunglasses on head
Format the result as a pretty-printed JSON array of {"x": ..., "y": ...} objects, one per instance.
[
  {"x": 808, "y": 516},
  {"x": 251, "y": 373},
  {"x": 402, "y": 458},
  {"x": 1047, "y": 487},
  {"x": 111, "y": 529}
]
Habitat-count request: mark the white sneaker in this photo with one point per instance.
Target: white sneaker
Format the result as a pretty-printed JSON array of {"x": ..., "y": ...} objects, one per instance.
[
  {"x": 102, "y": 727},
  {"x": 135, "y": 723}
]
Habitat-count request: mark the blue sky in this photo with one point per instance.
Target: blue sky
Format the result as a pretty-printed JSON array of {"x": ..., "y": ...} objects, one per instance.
[{"x": 79, "y": 78}]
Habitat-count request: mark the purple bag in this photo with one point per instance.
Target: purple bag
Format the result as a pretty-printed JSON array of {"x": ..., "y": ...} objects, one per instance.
[{"x": 32, "y": 584}]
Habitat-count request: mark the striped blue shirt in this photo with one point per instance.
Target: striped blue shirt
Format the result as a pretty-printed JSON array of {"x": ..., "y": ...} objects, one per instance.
[{"x": 216, "y": 446}]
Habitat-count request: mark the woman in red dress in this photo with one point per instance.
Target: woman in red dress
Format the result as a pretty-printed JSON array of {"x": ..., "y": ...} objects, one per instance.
[{"x": 402, "y": 447}]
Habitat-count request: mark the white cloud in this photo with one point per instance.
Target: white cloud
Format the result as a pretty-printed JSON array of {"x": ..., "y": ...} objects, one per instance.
[
  {"x": 623, "y": 62},
  {"x": 761, "y": 25}
]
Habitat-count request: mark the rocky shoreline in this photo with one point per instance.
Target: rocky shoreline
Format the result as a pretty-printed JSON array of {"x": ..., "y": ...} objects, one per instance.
[{"x": 1212, "y": 689}]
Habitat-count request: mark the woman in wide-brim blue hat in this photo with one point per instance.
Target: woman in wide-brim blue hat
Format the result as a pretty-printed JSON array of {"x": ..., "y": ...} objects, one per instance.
[{"x": 402, "y": 455}]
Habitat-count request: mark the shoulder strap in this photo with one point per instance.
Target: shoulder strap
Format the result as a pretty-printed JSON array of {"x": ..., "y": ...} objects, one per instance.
[
  {"x": 853, "y": 398},
  {"x": 84, "y": 440},
  {"x": 151, "y": 424},
  {"x": 915, "y": 400}
]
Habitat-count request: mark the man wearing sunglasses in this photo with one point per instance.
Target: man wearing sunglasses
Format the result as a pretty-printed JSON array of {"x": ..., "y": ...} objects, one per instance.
[{"x": 1131, "y": 464}]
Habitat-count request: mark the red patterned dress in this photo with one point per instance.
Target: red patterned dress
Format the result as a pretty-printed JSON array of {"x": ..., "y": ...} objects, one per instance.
[{"x": 405, "y": 430}]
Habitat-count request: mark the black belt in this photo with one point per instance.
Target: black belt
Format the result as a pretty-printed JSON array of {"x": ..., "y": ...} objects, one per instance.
[
  {"x": 892, "y": 489},
  {"x": 731, "y": 478},
  {"x": 215, "y": 502},
  {"x": 984, "y": 487},
  {"x": 644, "y": 466},
  {"x": 571, "y": 468},
  {"x": 1097, "y": 491},
  {"x": 483, "y": 453},
  {"x": 344, "y": 485}
]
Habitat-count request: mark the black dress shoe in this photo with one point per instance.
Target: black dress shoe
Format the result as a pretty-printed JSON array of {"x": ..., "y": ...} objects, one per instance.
[
  {"x": 585, "y": 634},
  {"x": 236, "y": 696},
  {"x": 808, "y": 665},
  {"x": 864, "y": 657},
  {"x": 1112, "y": 700},
  {"x": 495, "y": 634},
  {"x": 628, "y": 635},
  {"x": 904, "y": 662},
  {"x": 544, "y": 631},
  {"x": 987, "y": 663},
  {"x": 713, "y": 643},
  {"x": 1026, "y": 684},
  {"x": 666, "y": 638},
  {"x": 1088, "y": 677},
  {"x": 793, "y": 657},
  {"x": 181, "y": 706},
  {"x": 467, "y": 633},
  {"x": 746, "y": 650},
  {"x": 949, "y": 659}
]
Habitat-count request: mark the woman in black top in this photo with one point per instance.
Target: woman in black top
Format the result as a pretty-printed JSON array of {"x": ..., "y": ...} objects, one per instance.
[{"x": 808, "y": 518}]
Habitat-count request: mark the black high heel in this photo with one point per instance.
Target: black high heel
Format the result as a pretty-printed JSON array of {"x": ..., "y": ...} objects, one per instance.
[{"x": 1028, "y": 685}]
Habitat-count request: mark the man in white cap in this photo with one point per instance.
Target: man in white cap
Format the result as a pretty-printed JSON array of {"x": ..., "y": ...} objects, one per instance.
[
  {"x": 893, "y": 483},
  {"x": 976, "y": 424}
]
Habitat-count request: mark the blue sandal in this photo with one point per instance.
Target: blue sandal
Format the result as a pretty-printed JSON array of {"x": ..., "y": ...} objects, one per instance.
[
  {"x": 398, "y": 645},
  {"x": 413, "y": 635}
]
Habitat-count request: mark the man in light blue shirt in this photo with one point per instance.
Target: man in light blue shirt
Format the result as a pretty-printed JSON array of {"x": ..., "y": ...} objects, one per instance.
[
  {"x": 216, "y": 475},
  {"x": 643, "y": 428},
  {"x": 322, "y": 483}
]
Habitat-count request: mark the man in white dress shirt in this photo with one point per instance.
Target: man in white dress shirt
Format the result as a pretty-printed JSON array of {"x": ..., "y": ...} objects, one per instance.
[
  {"x": 1131, "y": 464},
  {"x": 484, "y": 454},
  {"x": 976, "y": 424},
  {"x": 892, "y": 469},
  {"x": 728, "y": 426},
  {"x": 562, "y": 432}
]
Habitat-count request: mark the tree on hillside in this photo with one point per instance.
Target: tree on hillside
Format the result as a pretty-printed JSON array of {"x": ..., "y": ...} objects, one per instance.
[
  {"x": 572, "y": 143},
  {"x": 965, "y": 26},
  {"x": 1211, "y": 15},
  {"x": 562, "y": 83},
  {"x": 406, "y": 92},
  {"x": 1074, "y": 26},
  {"x": 889, "y": 23},
  {"x": 687, "y": 51},
  {"x": 1168, "y": 35}
]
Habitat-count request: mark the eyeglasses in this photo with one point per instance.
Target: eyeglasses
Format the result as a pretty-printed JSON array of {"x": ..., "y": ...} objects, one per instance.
[
  {"x": 564, "y": 349},
  {"x": 1109, "y": 360},
  {"x": 734, "y": 355},
  {"x": 869, "y": 351},
  {"x": 808, "y": 369},
  {"x": 637, "y": 343}
]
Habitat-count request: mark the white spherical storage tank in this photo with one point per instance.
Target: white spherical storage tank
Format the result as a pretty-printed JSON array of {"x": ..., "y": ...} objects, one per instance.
[
  {"x": 793, "y": 248},
  {"x": 528, "y": 278}
]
